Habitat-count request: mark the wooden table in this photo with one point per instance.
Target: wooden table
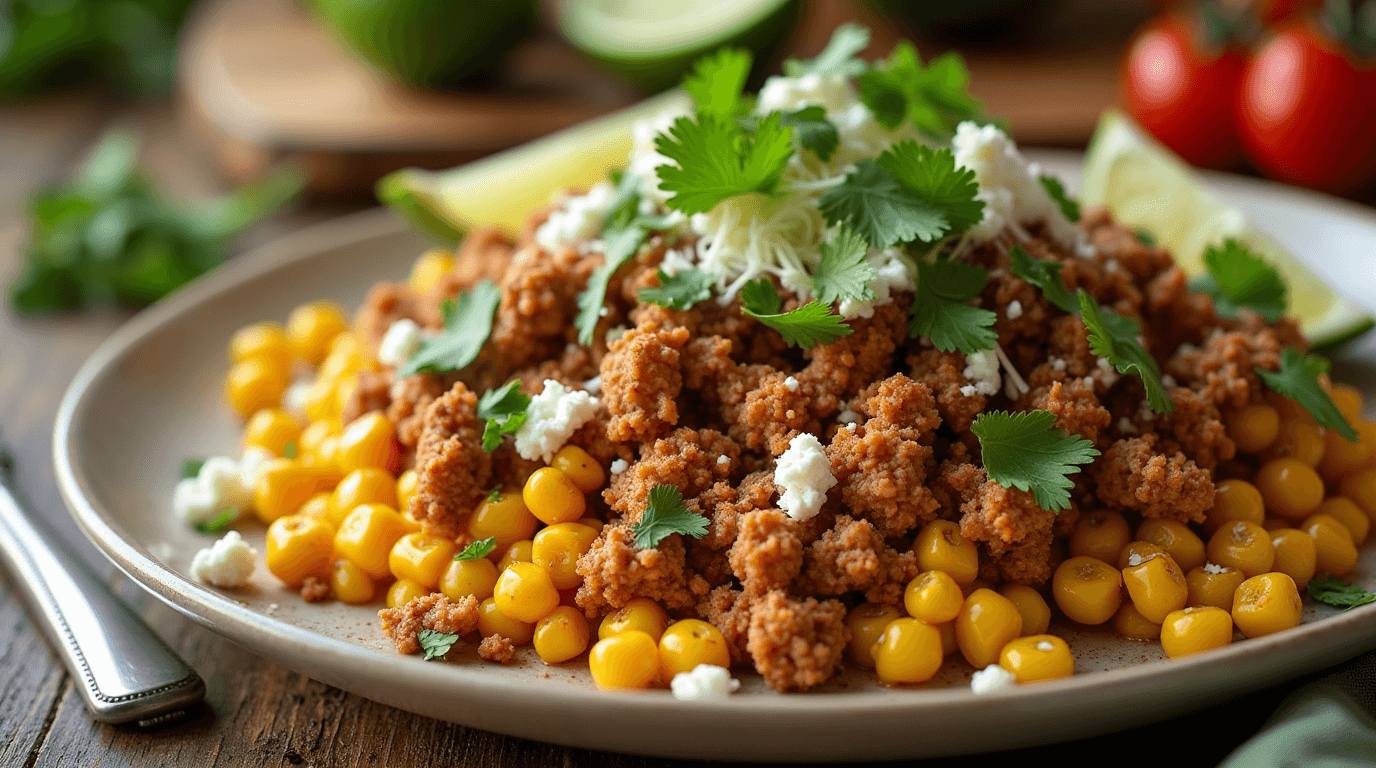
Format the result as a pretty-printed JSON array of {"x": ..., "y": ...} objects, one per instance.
[{"x": 257, "y": 713}]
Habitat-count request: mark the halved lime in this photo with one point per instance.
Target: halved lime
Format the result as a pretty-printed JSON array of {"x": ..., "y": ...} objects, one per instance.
[
  {"x": 653, "y": 42},
  {"x": 1147, "y": 187}
]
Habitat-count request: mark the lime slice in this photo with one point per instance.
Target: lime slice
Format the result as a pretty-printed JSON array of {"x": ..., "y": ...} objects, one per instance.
[
  {"x": 653, "y": 42},
  {"x": 1147, "y": 187}
]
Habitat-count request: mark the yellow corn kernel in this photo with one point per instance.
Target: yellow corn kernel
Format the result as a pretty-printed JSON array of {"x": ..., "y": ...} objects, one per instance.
[
  {"x": 627, "y": 659},
  {"x": 255, "y": 384},
  {"x": 1100, "y": 535},
  {"x": 908, "y": 651},
  {"x": 1346, "y": 511},
  {"x": 404, "y": 591},
  {"x": 1141, "y": 550},
  {"x": 491, "y": 621},
  {"x": 405, "y": 489},
  {"x": 1235, "y": 500},
  {"x": 986, "y": 623},
  {"x": 1156, "y": 586},
  {"x": 285, "y": 485},
  {"x": 969, "y": 589},
  {"x": 1341, "y": 458},
  {"x": 1036, "y": 614},
  {"x": 1334, "y": 552},
  {"x": 311, "y": 328},
  {"x": 1213, "y": 585},
  {"x": 1265, "y": 604},
  {"x": 1349, "y": 401},
  {"x": 429, "y": 268},
  {"x": 350, "y": 584},
  {"x": 265, "y": 339},
  {"x": 1296, "y": 555},
  {"x": 368, "y": 441},
  {"x": 1289, "y": 488},
  {"x": 949, "y": 644},
  {"x": 593, "y": 523},
  {"x": 366, "y": 536},
  {"x": 1300, "y": 440},
  {"x": 641, "y": 614},
  {"x": 1130, "y": 623},
  {"x": 1360, "y": 487},
  {"x": 867, "y": 622},
  {"x": 1254, "y": 427},
  {"x": 321, "y": 403},
  {"x": 688, "y": 643},
  {"x": 317, "y": 507},
  {"x": 525, "y": 592},
  {"x": 1244, "y": 546},
  {"x": 939, "y": 546},
  {"x": 1182, "y": 544},
  {"x": 476, "y": 577},
  {"x": 369, "y": 485},
  {"x": 505, "y": 519},
  {"x": 421, "y": 558},
  {"x": 1087, "y": 590},
  {"x": 308, "y": 445},
  {"x": 1290, "y": 410},
  {"x": 1196, "y": 629},
  {"x": 560, "y": 635},
  {"x": 552, "y": 497},
  {"x": 1037, "y": 657},
  {"x": 933, "y": 597},
  {"x": 273, "y": 430},
  {"x": 298, "y": 547},
  {"x": 557, "y": 548},
  {"x": 518, "y": 552},
  {"x": 580, "y": 468}
]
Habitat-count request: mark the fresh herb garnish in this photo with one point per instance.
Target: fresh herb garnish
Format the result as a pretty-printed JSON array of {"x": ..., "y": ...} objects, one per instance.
[
  {"x": 806, "y": 326},
  {"x": 1114, "y": 338},
  {"x": 910, "y": 193},
  {"x": 838, "y": 58},
  {"x": 717, "y": 81},
  {"x": 1070, "y": 207},
  {"x": 478, "y": 549},
  {"x": 1026, "y": 451},
  {"x": 1238, "y": 278},
  {"x": 718, "y": 158},
  {"x": 467, "y": 324},
  {"x": 191, "y": 468},
  {"x": 504, "y": 409},
  {"x": 935, "y": 98},
  {"x": 1144, "y": 237},
  {"x": 939, "y": 310},
  {"x": 218, "y": 523},
  {"x": 932, "y": 175},
  {"x": 289, "y": 450},
  {"x": 621, "y": 245},
  {"x": 494, "y": 495},
  {"x": 666, "y": 515},
  {"x": 1335, "y": 591},
  {"x": 843, "y": 272},
  {"x": 813, "y": 131},
  {"x": 681, "y": 290},
  {"x": 436, "y": 644},
  {"x": 625, "y": 204},
  {"x": 1298, "y": 379},
  {"x": 1046, "y": 275}
]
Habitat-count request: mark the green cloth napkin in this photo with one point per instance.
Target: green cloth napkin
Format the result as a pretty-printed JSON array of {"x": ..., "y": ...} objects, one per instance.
[{"x": 1328, "y": 723}]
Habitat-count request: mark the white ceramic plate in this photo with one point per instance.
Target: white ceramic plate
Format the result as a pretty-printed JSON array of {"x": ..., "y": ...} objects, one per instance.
[{"x": 152, "y": 395}]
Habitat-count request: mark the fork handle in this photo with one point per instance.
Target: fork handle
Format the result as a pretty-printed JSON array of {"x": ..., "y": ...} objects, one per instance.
[{"x": 125, "y": 672}]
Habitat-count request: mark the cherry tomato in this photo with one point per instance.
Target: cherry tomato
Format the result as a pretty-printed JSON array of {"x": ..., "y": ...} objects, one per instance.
[
  {"x": 1306, "y": 111},
  {"x": 1182, "y": 91}
]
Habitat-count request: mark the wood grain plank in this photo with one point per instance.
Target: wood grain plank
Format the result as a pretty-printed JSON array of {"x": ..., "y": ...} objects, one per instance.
[{"x": 31, "y": 681}]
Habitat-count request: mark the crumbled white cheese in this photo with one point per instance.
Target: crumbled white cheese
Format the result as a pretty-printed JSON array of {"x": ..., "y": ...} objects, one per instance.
[
  {"x": 891, "y": 273},
  {"x": 1013, "y": 194},
  {"x": 1057, "y": 364},
  {"x": 1106, "y": 368},
  {"x": 982, "y": 370},
  {"x": 848, "y": 416},
  {"x": 969, "y": 390},
  {"x": 1126, "y": 426},
  {"x": 228, "y": 563},
  {"x": 677, "y": 260},
  {"x": 218, "y": 486},
  {"x": 723, "y": 460},
  {"x": 791, "y": 384},
  {"x": 990, "y": 679},
  {"x": 1215, "y": 570},
  {"x": 551, "y": 419},
  {"x": 618, "y": 466},
  {"x": 295, "y": 398},
  {"x": 1134, "y": 560},
  {"x": 1112, "y": 265},
  {"x": 273, "y": 608},
  {"x": 1168, "y": 380},
  {"x": 1186, "y": 348},
  {"x": 401, "y": 340},
  {"x": 593, "y": 386},
  {"x": 705, "y": 681},
  {"x": 254, "y": 461},
  {"x": 787, "y": 94},
  {"x": 803, "y": 475},
  {"x": 577, "y": 219},
  {"x": 1014, "y": 309},
  {"x": 1046, "y": 645}
]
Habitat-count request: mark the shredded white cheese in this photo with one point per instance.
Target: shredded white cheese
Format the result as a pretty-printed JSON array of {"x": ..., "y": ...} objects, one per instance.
[
  {"x": 551, "y": 419},
  {"x": 705, "y": 681},
  {"x": 990, "y": 679},
  {"x": 1013, "y": 194},
  {"x": 228, "y": 563},
  {"x": 803, "y": 475}
]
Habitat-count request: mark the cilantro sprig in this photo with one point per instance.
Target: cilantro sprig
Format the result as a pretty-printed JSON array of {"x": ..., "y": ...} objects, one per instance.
[
  {"x": 1114, "y": 338},
  {"x": 1335, "y": 591},
  {"x": 1070, "y": 207},
  {"x": 1046, "y": 275},
  {"x": 1298, "y": 379},
  {"x": 838, "y": 58},
  {"x": 813, "y": 130},
  {"x": 494, "y": 495},
  {"x": 664, "y": 516},
  {"x": 478, "y": 549},
  {"x": 436, "y": 644},
  {"x": 909, "y": 193},
  {"x": 939, "y": 310},
  {"x": 680, "y": 290},
  {"x": 1028, "y": 452},
  {"x": 807, "y": 326},
  {"x": 217, "y": 524},
  {"x": 1238, "y": 278},
  {"x": 467, "y": 324},
  {"x": 843, "y": 272},
  {"x": 935, "y": 98},
  {"x": 717, "y": 81},
  {"x": 718, "y": 158},
  {"x": 191, "y": 467},
  {"x": 621, "y": 245},
  {"x": 504, "y": 409}
]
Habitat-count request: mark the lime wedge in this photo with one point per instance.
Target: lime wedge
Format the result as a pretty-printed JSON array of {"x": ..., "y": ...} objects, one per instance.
[{"x": 1147, "y": 187}]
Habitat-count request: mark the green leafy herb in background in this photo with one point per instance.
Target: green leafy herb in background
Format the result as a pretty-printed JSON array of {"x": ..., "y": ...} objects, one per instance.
[
  {"x": 110, "y": 236},
  {"x": 1298, "y": 379},
  {"x": 717, "y": 81},
  {"x": 1070, "y": 208},
  {"x": 939, "y": 310},
  {"x": 1028, "y": 452},
  {"x": 839, "y": 57},
  {"x": 680, "y": 290},
  {"x": 1238, "y": 278},
  {"x": 191, "y": 468},
  {"x": 504, "y": 409},
  {"x": 1046, "y": 275},
  {"x": 467, "y": 324},
  {"x": 218, "y": 523},
  {"x": 664, "y": 516},
  {"x": 436, "y": 644},
  {"x": 1335, "y": 591},
  {"x": 807, "y": 326},
  {"x": 1114, "y": 338},
  {"x": 935, "y": 98},
  {"x": 813, "y": 130},
  {"x": 478, "y": 549}
]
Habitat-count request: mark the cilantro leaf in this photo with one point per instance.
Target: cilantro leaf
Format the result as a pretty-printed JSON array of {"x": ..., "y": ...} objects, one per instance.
[
  {"x": 218, "y": 523},
  {"x": 1335, "y": 591},
  {"x": 1114, "y": 338},
  {"x": 1046, "y": 275},
  {"x": 478, "y": 549},
  {"x": 620, "y": 247},
  {"x": 717, "y": 80},
  {"x": 625, "y": 204},
  {"x": 935, "y": 98},
  {"x": 664, "y": 516},
  {"x": 1238, "y": 278},
  {"x": 1298, "y": 379},
  {"x": 1144, "y": 237},
  {"x": 1070, "y": 207},
  {"x": 883, "y": 93},
  {"x": 1026, "y": 451},
  {"x": 436, "y": 644},
  {"x": 494, "y": 495},
  {"x": 838, "y": 58},
  {"x": 191, "y": 468},
  {"x": 467, "y": 324},
  {"x": 932, "y": 175},
  {"x": 505, "y": 411},
  {"x": 814, "y": 131},
  {"x": 875, "y": 204},
  {"x": 681, "y": 290},
  {"x": 939, "y": 310},
  {"x": 806, "y": 326},
  {"x": 718, "y": 159},
  {"x": 843, "y": 272},
  {"x": 289, "y": 450}
]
